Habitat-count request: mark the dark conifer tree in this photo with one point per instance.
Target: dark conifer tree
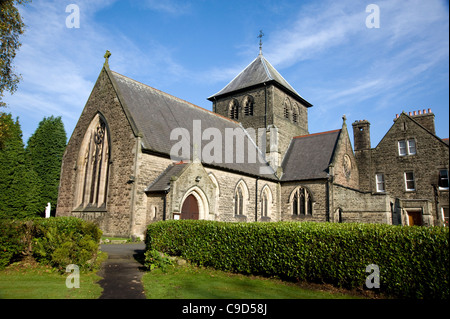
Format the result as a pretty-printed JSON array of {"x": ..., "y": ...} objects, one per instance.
[
  {"x": 19, "y": 184},
  {"x": 45, "y": 150}
]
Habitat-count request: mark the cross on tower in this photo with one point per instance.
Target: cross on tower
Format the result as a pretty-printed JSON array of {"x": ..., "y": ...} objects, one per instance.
[{"x": 261, "y": 34}]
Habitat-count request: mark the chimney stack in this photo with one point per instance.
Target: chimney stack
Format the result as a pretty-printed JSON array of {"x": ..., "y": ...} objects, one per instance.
[
  {"x": 424, "y": 118},
  {"x": 361, "y": 135}
]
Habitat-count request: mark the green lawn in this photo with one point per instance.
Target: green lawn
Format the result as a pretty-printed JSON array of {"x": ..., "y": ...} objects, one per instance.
[
  {"x": 41, "y": 282},
  {"x": 187, "y": 282},
  {"x": 191, "y": 282}
]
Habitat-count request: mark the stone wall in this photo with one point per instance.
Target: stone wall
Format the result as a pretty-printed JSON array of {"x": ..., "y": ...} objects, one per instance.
[
  {"x": 319, "y": 192},
  {"x": 360, "y": 207},
  {"x": 431, "y": 156},
  {"x": 115, "y": 220},
  {"x": 148, "y": 168},
  {"x": 225, "y": 208}
]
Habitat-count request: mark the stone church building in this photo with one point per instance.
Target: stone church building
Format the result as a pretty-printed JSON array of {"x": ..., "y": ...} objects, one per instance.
[{"x": 138, "y": 155}]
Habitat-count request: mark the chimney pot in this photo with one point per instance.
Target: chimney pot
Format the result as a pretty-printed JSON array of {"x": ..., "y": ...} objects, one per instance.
[
  {"x": 429, "y": 110},
  {"x": 396, "y": 116},
  {"x": 420, "y": 112},
  {"x": 415, "y": 113},
  {"x": 424, "y": 111},
  {"x": 410, "y": 114}
]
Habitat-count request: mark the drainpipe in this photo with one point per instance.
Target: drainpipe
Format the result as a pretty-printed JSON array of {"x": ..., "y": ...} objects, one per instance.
[
  {"x": 256, "y": 200},
  {"x": 165, "y": 204},
  {"x": 329, "y": 190},
  {"x": 132, "y": 180}
]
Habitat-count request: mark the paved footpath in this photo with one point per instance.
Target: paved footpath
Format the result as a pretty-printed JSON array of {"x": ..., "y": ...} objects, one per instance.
[{"x": 121, "y": 272}]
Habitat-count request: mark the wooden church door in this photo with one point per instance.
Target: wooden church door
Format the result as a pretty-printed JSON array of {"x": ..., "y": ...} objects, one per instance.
[{"x": 190, "y": 208}]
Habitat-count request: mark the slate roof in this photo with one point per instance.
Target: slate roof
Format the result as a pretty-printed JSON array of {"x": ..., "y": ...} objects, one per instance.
[
  {"x": 309, "y": 156},
  {"x": 162, "y": 182},
  {"x": 259, "y": 71},
  {"x": 156, "y": 114}
]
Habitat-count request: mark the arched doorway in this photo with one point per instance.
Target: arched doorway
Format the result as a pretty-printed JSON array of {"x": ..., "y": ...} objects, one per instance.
[{"x": 190, "y": 208}]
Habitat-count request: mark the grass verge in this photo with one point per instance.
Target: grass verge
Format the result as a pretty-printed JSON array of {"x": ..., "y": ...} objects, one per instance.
[
  {"x": 24, "y": 280},
  {"x": 190, "y": 282}
]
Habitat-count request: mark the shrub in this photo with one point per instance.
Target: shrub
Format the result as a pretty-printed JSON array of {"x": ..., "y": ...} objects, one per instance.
[
  {"x": 154, "y": 259},
  {"x": 56, "y": 241},
  {"x": 10, "y": 241},
  {"x": 413, "y": 261},
  {"x": 66, "y": 240}
]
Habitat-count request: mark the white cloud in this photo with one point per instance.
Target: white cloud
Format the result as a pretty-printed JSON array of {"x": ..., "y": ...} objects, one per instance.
[
  {"x": 172, "y": 7},
  {"x": 60, "y": 65}
]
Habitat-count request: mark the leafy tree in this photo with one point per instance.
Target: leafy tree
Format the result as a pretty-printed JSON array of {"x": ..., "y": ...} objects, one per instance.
[
  {"x": 19, "y": 185},
  {"x": 11, "y": 27},
  {"x": 45, "y": 150}
]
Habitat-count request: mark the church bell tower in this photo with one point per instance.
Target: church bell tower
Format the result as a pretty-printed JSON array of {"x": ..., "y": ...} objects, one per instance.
[{"x": 260, "y": 98}]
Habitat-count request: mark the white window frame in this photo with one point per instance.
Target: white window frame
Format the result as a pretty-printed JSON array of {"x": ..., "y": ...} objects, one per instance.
[
  {"x": 411, "y": 144},
  {"x": 440, "y": 187},
  {"x": 379, "y": 180},
  {"x": 407, "y": 147},
  {"x": 402, "y": 148},
  {"x": 409, "y": 180}
]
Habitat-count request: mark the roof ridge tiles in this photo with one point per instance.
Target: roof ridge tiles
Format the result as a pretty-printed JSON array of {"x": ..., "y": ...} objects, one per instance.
[
  {"x": 319, "y": 133},
  {"x": 175, "y": 98}
]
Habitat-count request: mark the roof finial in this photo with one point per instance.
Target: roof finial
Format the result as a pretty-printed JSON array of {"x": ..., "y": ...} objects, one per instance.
[
  {"x": 106, "y": 56},
  {"x": 261, "y": 34}
]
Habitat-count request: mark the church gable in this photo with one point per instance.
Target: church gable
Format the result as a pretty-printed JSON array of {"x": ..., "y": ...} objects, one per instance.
[
  {"x": 99, "y": 160},
  {"x": 344, "y": 168}
]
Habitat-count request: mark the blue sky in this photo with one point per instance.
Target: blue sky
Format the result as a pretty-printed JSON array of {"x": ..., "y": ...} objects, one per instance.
[{"x": 192, "y": 49}]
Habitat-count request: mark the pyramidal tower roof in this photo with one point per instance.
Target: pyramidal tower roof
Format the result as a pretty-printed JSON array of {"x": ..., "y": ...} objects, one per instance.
[{"x": 258, "y": 72}]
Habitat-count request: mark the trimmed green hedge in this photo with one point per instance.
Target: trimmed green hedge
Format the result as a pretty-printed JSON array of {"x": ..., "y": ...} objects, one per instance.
[
  {"x": 56, "y": 241},
  {"x": 413, "y": 261}
]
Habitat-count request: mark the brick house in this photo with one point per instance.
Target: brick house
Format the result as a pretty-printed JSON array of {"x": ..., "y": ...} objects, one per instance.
[{"x": 138, "y": 155}]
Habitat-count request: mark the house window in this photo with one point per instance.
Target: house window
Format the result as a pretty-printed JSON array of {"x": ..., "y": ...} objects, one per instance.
[
  {"x": 445, "y": 215},
  {"x": 379, "y": 179},
  {"x": 402, "y": 148},
  {"x": 443, "y": 179},
  {"x": 410, "y": 184},
  {"x": 301, "y": 202},
  {"x": 411, "y": 147},
  {"x": 406, "y": 147}
]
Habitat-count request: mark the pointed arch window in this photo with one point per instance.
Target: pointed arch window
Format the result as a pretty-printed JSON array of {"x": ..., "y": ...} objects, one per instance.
[
  {"x": 233, "y": 109},
  {"x": 240, "y": 198},
  {"x": 301, "y": 202},
  {"x": 239, "y": 202},
  {"x": 93, "y": 166},
  {"x": 264, "y": 205},
  {"x": 248, "y": 105},
  {"x": 266, "y": 201}
]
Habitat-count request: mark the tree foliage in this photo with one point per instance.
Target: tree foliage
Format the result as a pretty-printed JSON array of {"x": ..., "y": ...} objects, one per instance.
[
  {"x": 19, "y": 185},
  {"x": 45, "y": 150},
  {"x": 11, "y": 27}
]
